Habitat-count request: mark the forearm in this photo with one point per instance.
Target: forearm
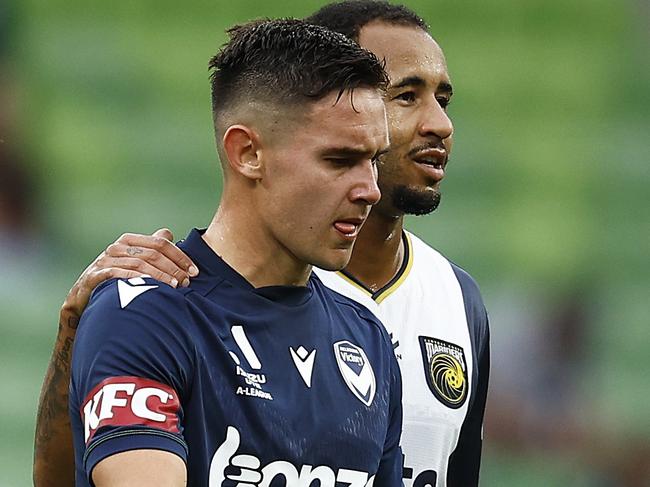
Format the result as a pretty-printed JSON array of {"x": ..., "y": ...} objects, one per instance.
[
  {"x": 53, "y": 451},
  {"x": 129, "y": 256}
]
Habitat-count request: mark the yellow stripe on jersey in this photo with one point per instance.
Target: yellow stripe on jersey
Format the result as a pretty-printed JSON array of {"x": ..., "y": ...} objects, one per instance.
[
  {"x": 402, "y": 274},
  {"x": 354, "y": 283}
]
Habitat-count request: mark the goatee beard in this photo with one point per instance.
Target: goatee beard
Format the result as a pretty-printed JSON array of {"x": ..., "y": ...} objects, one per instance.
[{"x": 415, "y": 202}]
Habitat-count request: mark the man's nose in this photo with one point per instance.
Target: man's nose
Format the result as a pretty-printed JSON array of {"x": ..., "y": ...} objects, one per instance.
[
  {"x": 366, "y": 188},
  {"x": 436, "y": 121}
]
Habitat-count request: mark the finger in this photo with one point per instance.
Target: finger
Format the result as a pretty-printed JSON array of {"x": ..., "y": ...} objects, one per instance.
[
  {"x": 163, "y": 246},
  {"x": 102, "y": 275},
  {"x": 134, "y": 258},
  {"x": 165, "y": 233},
  {"x": 96, "y": 278},
  {"x": 79, "y": 295},
  {"x": 152, "y": 257},
  {"x": 159, "y": 268}
]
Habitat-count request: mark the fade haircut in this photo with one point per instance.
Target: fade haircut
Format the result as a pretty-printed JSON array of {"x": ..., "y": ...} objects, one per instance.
[
  {"x": 348, "y": 17},
  {"x": 286, "y": 62}
]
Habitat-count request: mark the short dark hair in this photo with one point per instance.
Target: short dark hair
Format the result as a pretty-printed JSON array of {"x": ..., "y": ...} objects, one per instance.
[
  {"x": 287, "y": 61},
  {"x": 349, "y": 16}
]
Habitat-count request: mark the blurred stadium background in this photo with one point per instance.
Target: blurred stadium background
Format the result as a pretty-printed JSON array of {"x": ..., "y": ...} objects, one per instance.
[{"x": 105, "y": 127}]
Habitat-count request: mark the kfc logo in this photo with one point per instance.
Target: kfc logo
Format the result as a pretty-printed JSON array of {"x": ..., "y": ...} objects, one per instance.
[{"x": 129, "y": 401}]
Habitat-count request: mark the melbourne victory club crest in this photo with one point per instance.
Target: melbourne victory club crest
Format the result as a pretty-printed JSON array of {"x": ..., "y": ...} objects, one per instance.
[
  {"x": 446, "y": 371},
  {"x": 356, "y": 370}
]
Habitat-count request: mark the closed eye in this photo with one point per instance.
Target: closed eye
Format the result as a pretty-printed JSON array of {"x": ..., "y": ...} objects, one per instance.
[
  {"x": 340, "y": 161},
  {"x": 407, "y": 96}
]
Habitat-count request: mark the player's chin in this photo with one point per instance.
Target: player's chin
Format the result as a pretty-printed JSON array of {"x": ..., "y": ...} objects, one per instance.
[{"x": 334, "y": 259}]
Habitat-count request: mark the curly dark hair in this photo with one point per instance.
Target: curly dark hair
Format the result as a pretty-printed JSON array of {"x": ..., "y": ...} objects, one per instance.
[
  {"x": 349, "y": 16},
  {"x": 288, "y": 61}
]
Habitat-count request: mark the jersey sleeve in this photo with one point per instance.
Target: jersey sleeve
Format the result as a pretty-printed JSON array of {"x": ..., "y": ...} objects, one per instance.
[
  {"x": 464, "y": 463},
  {"x": 389, "y": 473},
  {"x": 131, "y": 372}
]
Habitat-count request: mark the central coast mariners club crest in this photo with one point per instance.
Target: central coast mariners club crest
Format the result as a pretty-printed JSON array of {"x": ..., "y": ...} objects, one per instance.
[
  {"x": 356, "y": 370},
  {"x": 446, "y": 371}
]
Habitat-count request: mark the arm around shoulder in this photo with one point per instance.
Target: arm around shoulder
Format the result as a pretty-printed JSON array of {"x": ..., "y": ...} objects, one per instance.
[{"x": 53, "y": 454}]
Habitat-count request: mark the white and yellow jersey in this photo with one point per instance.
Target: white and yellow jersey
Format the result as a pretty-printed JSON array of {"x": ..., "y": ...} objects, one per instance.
[{"x": 438, "y": 324}]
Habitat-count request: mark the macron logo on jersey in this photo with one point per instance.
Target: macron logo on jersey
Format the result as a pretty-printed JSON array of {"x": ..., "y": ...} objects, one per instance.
[
  {"x": 304, "y": 362},
  {"x": 248, "y": 470},
  {"x": 130, "y": 289},
  {"x": 129, "y": 401}
]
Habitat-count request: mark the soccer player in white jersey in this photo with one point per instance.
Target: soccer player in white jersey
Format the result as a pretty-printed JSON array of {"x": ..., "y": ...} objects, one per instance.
[{"x": 430, "y": 306}]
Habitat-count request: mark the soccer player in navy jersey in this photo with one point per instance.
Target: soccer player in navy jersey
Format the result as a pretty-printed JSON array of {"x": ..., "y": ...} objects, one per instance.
[
  {"x": 256, "y": 374},
  {"x": 431, "y": 307}
]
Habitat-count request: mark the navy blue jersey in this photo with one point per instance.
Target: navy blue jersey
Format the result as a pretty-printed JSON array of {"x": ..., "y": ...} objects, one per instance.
[{"x": 275, "y": 386}]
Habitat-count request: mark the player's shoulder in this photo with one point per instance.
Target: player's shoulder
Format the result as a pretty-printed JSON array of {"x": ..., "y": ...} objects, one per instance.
[
  {"x": 467, "y": 283},
  {"x": 423, "y": 254},
  {"x": 428, "y": 257},
  {"x": 134, "y": 315},
  {"x": 135, "y": 327},
  {"x": 142, "y": 296},
  {"x": 477, "y": 318}
]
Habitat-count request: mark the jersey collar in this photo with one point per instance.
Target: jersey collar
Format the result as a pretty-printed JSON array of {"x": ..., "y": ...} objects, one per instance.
[
  {"x": 213, "y": 268},
  {"x": 392, "y": 285}
]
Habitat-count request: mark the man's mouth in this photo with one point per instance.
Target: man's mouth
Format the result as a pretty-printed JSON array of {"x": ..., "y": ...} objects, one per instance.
[
  {"x": 349, "y": 227},
  {"x": 432, "y": 160}
]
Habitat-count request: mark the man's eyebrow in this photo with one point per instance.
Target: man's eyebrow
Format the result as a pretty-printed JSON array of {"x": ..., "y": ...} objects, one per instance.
[
  {"x": 410, "y": 81},
  {"x": 351, "y": 152},
  {"x": 443, "y": 86}
]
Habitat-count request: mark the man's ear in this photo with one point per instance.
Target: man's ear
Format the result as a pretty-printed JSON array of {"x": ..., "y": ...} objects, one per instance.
[{"x": 241, "y": 145}]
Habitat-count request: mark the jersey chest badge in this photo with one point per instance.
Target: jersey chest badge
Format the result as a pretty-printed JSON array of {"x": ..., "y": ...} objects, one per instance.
[
  {"x": 356, "y": 370},
  {"x": 446, "y": 371}
]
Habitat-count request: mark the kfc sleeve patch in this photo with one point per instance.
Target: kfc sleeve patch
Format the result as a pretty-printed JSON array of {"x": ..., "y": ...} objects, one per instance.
[{"x": 130, "y": 401}]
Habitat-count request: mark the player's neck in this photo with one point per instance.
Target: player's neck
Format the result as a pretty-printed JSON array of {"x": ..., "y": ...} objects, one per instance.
[
  {"x": 378, "y": 251},
  {"x": 245, "y": 247}
]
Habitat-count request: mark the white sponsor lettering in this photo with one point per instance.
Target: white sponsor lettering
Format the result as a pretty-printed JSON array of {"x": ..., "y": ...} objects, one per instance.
[
  {"x": 91, "y": 420},
  {"x": 255, "y": 380},
  {"x": 139, "y": 403},
  {"x": 109, "y": 399},
  {"x": 250, "y": 474},
  {"x": 253, "y": 392},
  {"x": 106, "y": 400}
]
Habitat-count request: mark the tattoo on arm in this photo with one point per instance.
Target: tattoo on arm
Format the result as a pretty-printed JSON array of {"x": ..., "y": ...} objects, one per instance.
[
  {"x": 52, "y": 404},
  {"x": 53, "y": 456}
]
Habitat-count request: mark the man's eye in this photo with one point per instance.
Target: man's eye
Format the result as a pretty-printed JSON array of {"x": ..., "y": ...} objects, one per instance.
[
  {"x": 340, "y": 161},
  {"x": 407, "y": 96},
  {"x": 377, "y": 159},
  {"x": 443, "y": 101}
]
